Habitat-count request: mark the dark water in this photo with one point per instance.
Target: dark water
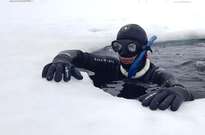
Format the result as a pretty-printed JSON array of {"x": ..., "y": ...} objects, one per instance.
[{"x": 185, "y": 59}]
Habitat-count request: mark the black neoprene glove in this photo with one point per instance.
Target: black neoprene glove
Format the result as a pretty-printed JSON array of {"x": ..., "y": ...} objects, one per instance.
[
  {"x": 61, "y": 67},
  {"x": 164, "y": 98}
]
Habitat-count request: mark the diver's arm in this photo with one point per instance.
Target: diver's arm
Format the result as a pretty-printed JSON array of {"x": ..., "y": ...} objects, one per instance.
[
  {"x": 65, "y": 63},
  {"x": 167, "y": 80},
  {"x": 164, "y": 78},
  {"x": 88, "y": 61},
  {"x": 171, "y": 93}
]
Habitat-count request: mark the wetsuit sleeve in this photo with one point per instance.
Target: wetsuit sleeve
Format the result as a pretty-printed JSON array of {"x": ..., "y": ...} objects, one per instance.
[
  {"x": 163, "y": 78},
  {"x": 88, "y": 61}
]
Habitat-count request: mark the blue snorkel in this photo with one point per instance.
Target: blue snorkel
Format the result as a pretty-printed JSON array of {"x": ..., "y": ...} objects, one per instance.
[{"x": 135, "y": 65}]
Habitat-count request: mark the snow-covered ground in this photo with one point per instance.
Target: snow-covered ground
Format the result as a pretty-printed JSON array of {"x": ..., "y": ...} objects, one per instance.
[{"x": 32, "y": 33}]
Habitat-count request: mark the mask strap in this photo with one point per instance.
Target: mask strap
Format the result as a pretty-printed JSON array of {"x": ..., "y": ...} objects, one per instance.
[{"x": 135, "y": 65}]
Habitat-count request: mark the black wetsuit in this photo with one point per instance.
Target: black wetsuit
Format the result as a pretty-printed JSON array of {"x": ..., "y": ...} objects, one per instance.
[{"x": 105, "y": 73}]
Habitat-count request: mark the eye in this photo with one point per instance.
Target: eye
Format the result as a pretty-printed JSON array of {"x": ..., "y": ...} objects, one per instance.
[
  {"x": 116, "y": 46},
  {"x": 132, "y": 47}
]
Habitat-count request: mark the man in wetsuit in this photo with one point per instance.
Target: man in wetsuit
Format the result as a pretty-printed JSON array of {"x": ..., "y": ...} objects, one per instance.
[{"x": 115, "y": 71}]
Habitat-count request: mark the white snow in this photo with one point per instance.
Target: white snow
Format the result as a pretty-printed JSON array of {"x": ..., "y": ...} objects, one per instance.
[{"x": 32, "y": 33}]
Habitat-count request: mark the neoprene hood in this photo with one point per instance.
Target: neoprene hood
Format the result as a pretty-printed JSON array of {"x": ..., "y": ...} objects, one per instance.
[{"x": 133, "y": 32}]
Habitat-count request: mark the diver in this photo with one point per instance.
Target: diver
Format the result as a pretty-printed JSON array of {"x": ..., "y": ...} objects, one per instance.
[{"x": 124, "y": 69}]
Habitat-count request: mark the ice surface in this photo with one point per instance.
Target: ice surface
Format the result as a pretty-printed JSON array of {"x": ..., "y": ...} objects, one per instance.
[{"x": 32, "y": 33}]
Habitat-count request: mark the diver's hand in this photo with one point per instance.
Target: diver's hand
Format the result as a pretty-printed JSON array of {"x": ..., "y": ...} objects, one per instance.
[
  {"x": 59, "y": 70},
  {"x": 164, "y": 98}
]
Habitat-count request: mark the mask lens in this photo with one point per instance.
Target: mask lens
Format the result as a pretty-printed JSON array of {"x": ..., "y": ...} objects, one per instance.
[
  {"x": 116, "y": 46},
  {"x": 132, "y": 47}
]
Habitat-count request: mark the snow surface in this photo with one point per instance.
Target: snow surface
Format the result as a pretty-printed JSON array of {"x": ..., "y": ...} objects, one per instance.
[{"x": 32, "y": 33}]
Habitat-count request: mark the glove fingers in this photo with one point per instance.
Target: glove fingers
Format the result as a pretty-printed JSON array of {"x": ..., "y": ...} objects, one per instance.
[
  {"x": 147, "y": 100},
  {"x": 166, "y": 102},
  {"x": 141, "y": 98},
  {"x": 50, "y": 73},
  {"x": 176, "y": 103},
  {"x": 76, "y": 73},
  {"x": 157, "y": 100},
  {"x": 59, "y": 72},
  {"x": 45, "y": 70},
  {"x": 67, "y": 73}
]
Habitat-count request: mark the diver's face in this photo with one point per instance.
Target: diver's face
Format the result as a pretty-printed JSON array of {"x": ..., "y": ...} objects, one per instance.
[{"x": 128, "y": 50}]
